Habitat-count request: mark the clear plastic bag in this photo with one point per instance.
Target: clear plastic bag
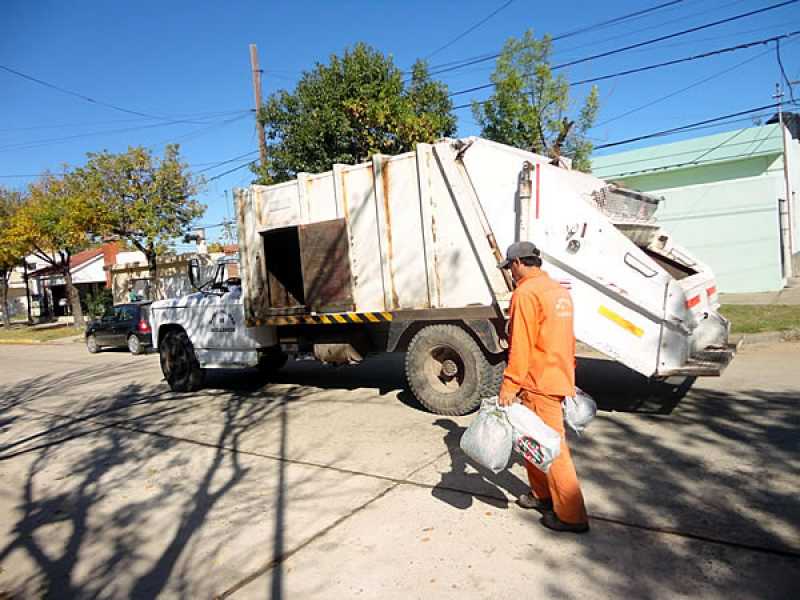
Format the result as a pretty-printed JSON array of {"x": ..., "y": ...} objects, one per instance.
[
  {"x": 537, "y": 442},
  {"x": 579, "y": 410},
  {"x": 487, "y": 440}
]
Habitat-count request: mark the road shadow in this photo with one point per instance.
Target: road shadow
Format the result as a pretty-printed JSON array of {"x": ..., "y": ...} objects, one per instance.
[
  {"x": 615, "y": 387},
  {"x": 72, "y": 463}
]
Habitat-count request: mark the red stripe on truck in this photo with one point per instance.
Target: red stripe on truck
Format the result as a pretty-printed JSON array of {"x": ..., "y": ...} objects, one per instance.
[
  {"x": 692, "y": 302},
  {"x": 711, "y": 291}
]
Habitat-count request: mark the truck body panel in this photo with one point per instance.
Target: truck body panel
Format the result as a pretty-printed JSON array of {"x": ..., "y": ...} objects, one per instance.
[{"x": 408, "y": 234}]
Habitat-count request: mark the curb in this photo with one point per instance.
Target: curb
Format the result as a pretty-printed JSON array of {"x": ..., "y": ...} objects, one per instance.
[
  {"x": 767, "y": 337},
  {"x": 32, "y": 342}
]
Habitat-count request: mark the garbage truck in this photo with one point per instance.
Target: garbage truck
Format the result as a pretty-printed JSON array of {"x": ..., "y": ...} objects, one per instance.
[{"x": 400, "y": 253}]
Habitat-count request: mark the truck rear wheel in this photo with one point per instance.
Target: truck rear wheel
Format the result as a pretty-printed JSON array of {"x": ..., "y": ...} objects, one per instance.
[
  {"x": 179, "y": 363},
  {"x": 447, "y": 371}
]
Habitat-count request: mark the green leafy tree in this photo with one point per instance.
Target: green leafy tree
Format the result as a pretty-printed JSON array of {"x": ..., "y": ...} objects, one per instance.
[
  {"x": 53, "y": 223},
  {"x": 531, "y": 109},
  {"x": 344, "y": 111},
  {"x": 140, "y": 198},
  {"x": 12, "y": 251}
]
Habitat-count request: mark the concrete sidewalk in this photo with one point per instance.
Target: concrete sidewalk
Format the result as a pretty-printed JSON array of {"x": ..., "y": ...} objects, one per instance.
[{"x": 784, "y": 296}]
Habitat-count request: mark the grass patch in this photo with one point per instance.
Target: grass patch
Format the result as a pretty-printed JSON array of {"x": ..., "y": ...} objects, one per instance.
[
  {"x": 755, "y": 318},
  {"x": 25, "y": 334}
]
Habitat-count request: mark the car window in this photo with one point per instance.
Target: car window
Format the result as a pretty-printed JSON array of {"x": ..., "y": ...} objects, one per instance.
[
  {"x": 124, "y": 313},
  {"x": 109, "y": 314}
]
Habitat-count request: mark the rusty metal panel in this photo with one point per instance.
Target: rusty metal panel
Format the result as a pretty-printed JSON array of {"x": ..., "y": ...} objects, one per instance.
[
  {"x": 277, "y": 206},
  {"x": 320, "y": 197},
  {"x": 357, "y": 199},
  {"x": 325, "y": 257},
  {"x": 425, "y": 164},
  {"x": 400, "y": 228}
]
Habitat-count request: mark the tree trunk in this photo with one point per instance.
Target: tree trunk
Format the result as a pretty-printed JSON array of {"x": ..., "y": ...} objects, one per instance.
[
  {"x": 4, "y": 277},
  {"x": 155, "y": 283},
  {"x": 74, "y": 299}
]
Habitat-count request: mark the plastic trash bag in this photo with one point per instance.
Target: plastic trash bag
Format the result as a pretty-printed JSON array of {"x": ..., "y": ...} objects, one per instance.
[
  {"x": 537, "y": 442},
  {"x": 579, "y": 410},
  {"x": 487, "y": 440}
]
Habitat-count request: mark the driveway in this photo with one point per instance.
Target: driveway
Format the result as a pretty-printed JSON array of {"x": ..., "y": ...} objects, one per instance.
[{"x": 333, "y": 483}]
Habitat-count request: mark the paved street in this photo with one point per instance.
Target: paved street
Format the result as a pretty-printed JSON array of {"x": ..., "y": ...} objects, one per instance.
[{"x": 332, "y": 483}]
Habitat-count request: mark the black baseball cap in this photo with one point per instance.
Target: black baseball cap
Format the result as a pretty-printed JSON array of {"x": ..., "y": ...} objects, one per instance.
[{"x": 519, "y": 250}]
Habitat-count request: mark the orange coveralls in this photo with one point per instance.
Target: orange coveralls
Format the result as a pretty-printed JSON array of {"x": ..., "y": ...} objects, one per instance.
[{"x": 541, "y": 371}]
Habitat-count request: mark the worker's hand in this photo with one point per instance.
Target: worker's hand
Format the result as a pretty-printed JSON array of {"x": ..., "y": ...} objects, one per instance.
[{"x": 506, "y": 398}]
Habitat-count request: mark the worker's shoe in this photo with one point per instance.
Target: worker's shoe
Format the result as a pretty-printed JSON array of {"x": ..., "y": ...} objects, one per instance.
[
  {"x": 531, "y": 501},
  {"x": 551, "y": 521}
]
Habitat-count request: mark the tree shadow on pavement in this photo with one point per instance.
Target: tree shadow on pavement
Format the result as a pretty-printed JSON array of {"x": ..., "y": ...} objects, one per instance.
[{"x": 107, "y": 498}]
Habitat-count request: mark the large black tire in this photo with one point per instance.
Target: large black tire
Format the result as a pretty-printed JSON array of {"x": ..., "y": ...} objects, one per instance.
[
  {"x": 179, "y": 363},
  {"x": 448, "y": 372},
  {"x": 272, "y": 360}
]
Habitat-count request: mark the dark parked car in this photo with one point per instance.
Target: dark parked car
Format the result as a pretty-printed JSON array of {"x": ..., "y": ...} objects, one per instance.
[{"x": 120, "y": 326}]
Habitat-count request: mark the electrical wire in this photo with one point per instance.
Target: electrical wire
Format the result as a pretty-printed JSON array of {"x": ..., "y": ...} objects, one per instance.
[
  {"x": 83, "y": 96},
  {"x": 687, "y": 58},
  {"x": 230, "y": 160},
  {"x": 205, "y": 115},
  {"x": 644, "y": 43},
  {"x": 242, "y": 166},
  {"x": 46, "y": 142},
  {"x": 783, "y": 71},
  {"x": 453, "y": 65},
  {"x": 470, "y": 29},
  {"x": 659, "y": 65},
  {"x": 683, "y": 128},
  {"x": 683, "y": 89}
]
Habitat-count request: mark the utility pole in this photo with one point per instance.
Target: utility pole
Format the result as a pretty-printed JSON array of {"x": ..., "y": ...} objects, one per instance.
[
  {"x": 262, "y": 140},
  {"x": 785, "y": 204}
]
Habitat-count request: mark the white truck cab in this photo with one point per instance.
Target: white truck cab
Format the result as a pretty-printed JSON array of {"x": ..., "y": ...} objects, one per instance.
[{"x": 206, "y": 330}]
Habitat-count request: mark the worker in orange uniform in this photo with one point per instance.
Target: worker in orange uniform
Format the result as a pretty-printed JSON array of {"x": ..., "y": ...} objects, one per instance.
[{"x": 540, "y": 372}]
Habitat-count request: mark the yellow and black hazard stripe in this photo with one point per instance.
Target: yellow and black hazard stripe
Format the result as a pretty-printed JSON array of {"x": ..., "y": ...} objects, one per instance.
[{"x": 326, "y": 319}]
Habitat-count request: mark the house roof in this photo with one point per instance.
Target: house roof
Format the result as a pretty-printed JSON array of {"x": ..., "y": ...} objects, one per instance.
[
  {"x": 75, "y": 261},
  {"x": 750, "y": 142}
]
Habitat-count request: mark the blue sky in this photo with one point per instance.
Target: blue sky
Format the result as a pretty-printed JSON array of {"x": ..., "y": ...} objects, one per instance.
[{"x": 187, "y": 61}]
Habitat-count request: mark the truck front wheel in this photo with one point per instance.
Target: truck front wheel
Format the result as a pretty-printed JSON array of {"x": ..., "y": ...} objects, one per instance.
[
  {"x": 179, "y": 363},
  {"x": 447, "y": 371}
]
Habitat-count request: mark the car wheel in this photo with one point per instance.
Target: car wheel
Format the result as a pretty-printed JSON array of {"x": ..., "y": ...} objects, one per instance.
[
  {"x": 447, "y": 370},
  {"x": 179, "y": 363},
  {"x": 91, "y": 344},
  {"x": 134, "y": 345}
]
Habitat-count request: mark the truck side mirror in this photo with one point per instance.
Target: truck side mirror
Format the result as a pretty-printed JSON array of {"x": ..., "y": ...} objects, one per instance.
[{"x": 194, "y": 273}]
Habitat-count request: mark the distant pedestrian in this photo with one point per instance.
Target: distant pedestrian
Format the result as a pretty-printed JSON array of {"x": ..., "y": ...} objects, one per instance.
[{"x": 540, "y": 373}]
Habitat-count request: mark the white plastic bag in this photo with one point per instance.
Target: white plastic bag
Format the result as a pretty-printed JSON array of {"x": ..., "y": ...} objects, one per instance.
[
  {"x": 487, "y": 440},
  {"x": 537, "y": 442},
  {"x": 579, "y": 410}
]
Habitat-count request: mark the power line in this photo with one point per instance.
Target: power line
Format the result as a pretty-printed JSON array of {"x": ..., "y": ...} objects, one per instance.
[
  {"x": 664, "y": 64},
  {"x": 230, "y": 160},
  {"x": 687, "y": 58},
  {"x": 242, "y": 166},
  {"x": 49, "y": 141},
  {"x": 683, "y": 128},
  {"x": 676, "y": 34},
  {"x": 643, "y": 43},
  {"x": 783, "y": 71},
  {"x": 81, "y": 96},
  {"x": 203, "y": 115},
  {"x": 453, "y": 65},
  {"x": 683, "y": 89},
  {"x": 470, "y": 29}
]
